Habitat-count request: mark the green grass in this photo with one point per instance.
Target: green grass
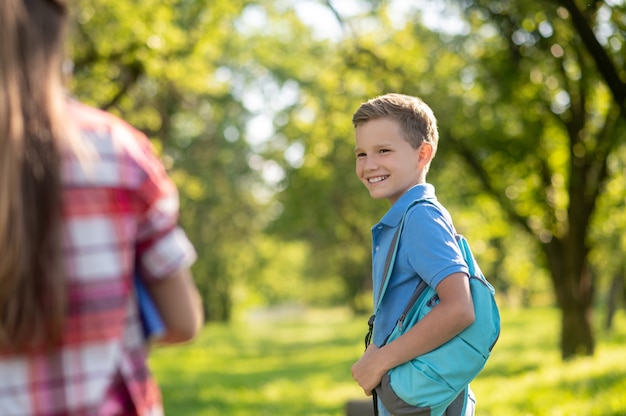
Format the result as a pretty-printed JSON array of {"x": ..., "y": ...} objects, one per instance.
[{"x": 301, "y": 366}]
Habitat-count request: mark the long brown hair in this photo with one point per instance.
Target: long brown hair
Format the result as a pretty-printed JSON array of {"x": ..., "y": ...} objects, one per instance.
[{"x": 32, "y": 285}]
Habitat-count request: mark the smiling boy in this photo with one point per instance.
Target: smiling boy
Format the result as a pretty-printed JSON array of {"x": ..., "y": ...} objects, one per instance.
[{"x": 396, "y": 140}]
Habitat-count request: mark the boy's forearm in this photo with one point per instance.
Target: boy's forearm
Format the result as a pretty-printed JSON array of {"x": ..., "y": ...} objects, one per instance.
[
  {"x": 431, "y": 332},
  {"x": 444, "y": 322}
]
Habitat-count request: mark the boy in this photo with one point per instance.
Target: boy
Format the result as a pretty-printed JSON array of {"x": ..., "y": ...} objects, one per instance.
[{"x": 396, "y": 139}]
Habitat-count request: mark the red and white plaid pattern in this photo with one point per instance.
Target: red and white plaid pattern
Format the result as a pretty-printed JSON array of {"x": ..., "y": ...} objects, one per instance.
[{"x": 120, "y": 208}]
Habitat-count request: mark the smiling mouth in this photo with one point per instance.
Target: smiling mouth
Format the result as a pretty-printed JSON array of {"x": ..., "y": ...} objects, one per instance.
[{"x": 377, "y": 179}]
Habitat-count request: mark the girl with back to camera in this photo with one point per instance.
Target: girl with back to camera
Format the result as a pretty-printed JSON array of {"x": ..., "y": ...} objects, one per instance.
[{"x": 83, "y": 202}]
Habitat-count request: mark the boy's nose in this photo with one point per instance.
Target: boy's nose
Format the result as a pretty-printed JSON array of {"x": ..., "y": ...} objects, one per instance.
[{"x": 370, "y": 164}]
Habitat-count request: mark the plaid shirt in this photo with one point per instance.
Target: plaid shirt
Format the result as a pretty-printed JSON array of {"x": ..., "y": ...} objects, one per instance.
[{"x": 121, "y": 210}]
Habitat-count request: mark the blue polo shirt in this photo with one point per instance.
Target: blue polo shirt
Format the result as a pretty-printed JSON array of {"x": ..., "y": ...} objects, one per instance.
[{"x": 427, "y": 250}]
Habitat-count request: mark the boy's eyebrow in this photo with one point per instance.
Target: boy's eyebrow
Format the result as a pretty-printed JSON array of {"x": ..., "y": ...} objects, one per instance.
[{"x": 376, "y": 146}]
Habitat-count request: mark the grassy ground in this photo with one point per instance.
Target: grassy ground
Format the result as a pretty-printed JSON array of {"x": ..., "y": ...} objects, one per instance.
[{"x": 301, "y": 366}]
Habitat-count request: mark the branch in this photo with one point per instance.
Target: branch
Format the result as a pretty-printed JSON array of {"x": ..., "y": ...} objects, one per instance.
[
  {"x": 334, "y": 11},
  {"x": 609, "y": 136},
  {"x": 597, "y": 52},
  {"x": 134, "y": 71},
  {"x": 484, "y": 178}
]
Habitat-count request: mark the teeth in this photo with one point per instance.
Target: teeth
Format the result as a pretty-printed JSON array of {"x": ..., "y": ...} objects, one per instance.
[{"x": 376, "y": 179}]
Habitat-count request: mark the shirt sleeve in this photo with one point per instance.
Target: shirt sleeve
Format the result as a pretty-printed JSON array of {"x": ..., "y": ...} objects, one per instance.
[
  {"x": 434, "y": 253},
  {"x": 162, "y": 245}
]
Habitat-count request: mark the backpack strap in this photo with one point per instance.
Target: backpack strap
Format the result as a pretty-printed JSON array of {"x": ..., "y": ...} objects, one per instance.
[
  {"x": 391, "y": 254},
  {"x": 389, "y": 261},
  {"x": 391, "y": 257}
]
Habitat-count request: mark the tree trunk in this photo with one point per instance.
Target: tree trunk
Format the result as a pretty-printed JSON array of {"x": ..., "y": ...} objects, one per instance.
[
  {"x": 573, "y": 286},
  {"x": 576, "y": 330},
  {"x": 616, "y": 292}
]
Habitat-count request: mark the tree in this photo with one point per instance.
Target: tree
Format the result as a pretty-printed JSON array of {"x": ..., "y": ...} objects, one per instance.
[
  {"x": 556, "y": 83},
  {"x": 251, "y": 110},
  {"x": 527, "y": 108},
  {"x": 158, "y": 65}
]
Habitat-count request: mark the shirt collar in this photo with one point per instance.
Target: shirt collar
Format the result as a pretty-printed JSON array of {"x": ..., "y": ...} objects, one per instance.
[{"x": 420, "y": 191}]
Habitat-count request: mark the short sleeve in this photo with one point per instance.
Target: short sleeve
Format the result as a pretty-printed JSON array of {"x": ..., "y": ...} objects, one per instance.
[
  {"x": 433, "y": 252},
  {"x": 162, "y": 245}
]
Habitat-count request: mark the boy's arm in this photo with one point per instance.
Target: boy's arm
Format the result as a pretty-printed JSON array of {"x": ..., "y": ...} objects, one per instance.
[{"x": 454, "y": 313}]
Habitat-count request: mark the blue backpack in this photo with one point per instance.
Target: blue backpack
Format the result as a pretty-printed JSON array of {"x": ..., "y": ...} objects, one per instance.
[{"x": 438, "y": 380}]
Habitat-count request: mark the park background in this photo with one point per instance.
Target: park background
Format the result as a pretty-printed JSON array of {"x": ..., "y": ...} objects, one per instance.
[{"x": 249, "y": 105}]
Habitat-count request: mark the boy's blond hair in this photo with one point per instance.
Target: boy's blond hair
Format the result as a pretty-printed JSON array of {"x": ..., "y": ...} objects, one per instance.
[{"x": 416, "y": 119}]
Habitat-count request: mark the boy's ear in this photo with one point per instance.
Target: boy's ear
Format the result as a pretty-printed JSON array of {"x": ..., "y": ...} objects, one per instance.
[{"x": 425, "y": 153}]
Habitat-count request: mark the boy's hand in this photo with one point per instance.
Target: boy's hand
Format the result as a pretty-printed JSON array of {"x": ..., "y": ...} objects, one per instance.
[{"x": 367, "y": 371}]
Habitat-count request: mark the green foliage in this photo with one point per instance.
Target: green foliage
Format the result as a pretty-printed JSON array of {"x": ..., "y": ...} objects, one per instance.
[
  {"x": 251, "y": 112},
  {"x": 300, "y": 364},
  {"x": 160, "y": 73},
  {"x": 527, "y": 377}
]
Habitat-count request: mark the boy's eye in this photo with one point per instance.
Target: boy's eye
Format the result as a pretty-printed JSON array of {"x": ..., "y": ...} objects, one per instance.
[
  {"x": 383, "y": 151},
  {"x": 358, "y": 155}
]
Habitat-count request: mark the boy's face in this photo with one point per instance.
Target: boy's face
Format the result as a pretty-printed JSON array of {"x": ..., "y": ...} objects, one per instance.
[{"x": 385, "y": 162}]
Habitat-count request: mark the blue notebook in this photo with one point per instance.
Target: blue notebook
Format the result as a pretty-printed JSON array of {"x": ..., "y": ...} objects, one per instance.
[{"x": 151, "y": 322}]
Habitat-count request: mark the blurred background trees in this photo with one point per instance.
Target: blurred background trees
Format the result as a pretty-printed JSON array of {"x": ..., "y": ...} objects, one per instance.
[{"x": 249, "y": 104}]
